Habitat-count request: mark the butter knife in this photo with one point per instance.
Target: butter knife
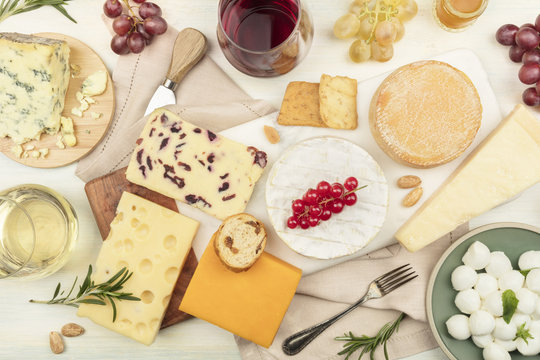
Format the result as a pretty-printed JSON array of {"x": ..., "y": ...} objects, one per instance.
[{"x": 189, "y": 48}]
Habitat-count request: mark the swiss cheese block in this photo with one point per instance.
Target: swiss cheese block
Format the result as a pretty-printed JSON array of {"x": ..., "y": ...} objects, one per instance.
[
  {"x": 152, "y": 242},
  {"x": 194, "y": 165},
  {"x": 250, "y": 304},
  {"x": 34, "y": 77},
  {"x": 425, "y": 114},
  {"x": 503, "y": 165},
  {"x": 331, "y": 159}
]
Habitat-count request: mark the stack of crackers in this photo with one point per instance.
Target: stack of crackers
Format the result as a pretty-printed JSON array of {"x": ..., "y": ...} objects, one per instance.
[{"x": 332, "y": 103}]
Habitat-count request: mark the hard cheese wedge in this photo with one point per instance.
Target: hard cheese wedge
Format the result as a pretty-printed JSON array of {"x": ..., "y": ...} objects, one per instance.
[
  {"x": 505, "y": 164},
  {"x": 250, "y": 304},
  {"x": 153, "y": 243},
  {"x": 194, "y": 165}
]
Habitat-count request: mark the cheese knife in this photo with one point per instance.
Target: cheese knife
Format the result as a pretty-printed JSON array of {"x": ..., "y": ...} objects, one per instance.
[{"x": 189, "y": 48}]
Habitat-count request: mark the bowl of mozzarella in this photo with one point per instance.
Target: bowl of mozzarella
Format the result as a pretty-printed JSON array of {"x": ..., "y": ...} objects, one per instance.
[{"x": 483, "y": 298}]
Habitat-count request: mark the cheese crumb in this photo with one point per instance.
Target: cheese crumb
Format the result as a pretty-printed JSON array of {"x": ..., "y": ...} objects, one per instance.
[
  {"x": 89, "y": 100},
  {"x": 75, "y": 70},
  {"x": 79, "y": 96},
  {"x": 17, "y": 150},
  {"x": 84, "y": 105},
  {"x": 95, "y": 115},
  {"x": 68, "y": 131},
  {"x": 95, "y": 84},
  {"x": 60, "y": 144},
  {"x": 44, "y": 152},
  {"x": 77, "y": 112},
  {"x": 35, "y": 154},
  {"x": 29, "y": 147}
]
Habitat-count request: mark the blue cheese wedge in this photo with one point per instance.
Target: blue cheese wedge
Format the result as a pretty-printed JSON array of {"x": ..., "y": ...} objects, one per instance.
[
  {"x": 194, "y": 165},
  {"x": 34, "y": 77}
]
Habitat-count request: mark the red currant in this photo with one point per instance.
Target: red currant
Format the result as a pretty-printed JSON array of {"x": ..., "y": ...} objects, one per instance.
[
  {"x": 350, "y": 199},
  {"x": 303, "y": 222},
  {"x": 292, "y": 222},
  {"x": 323, "y": 189},
  {"x": 313, "y": 221},
  {"x": 351, "y": 183},
  {"x": 315, "y": 210},
  {"x": 337, "y": 206},
  {"x": 298, "y": 206},
  {"x": 337, "y": 190},
  {"x": 311, "y": 197},
  {"x": 326, "y": 214}
]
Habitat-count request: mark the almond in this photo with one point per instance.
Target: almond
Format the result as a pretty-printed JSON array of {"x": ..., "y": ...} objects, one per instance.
[
  {"x": 408, "y": 181},
  {"x": 72, "y": 330},
  {"x": 56, "y": 343},
  {"x": 271, "y": 134},
  {"x": 412, "y": 197}
]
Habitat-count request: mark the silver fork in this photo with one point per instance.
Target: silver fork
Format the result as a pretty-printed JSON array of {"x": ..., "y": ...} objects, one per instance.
[{"x": 378, "y": 288}]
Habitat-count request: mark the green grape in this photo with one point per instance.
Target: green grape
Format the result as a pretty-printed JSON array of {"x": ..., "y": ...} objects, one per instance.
[
  {"x": 365, "y": 28},
  {"x": 357, "y": 7},
  {"x": 360, "y": 51},
  {"x": 407, "y": 10},
  {"x": 346, "y": 26},
  {"x": 400, "y": 29},
  {"x": 381, "y": 53},
  {"x": 385, "y": 33}
]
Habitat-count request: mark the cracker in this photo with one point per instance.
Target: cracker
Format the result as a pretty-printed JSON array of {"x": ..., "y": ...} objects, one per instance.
[
  {"x": 300, "y": 106},
  {"x": 337, "y": 96}
]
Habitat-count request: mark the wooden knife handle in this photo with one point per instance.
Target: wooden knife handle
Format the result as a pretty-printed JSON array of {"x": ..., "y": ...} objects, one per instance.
[{"x": 189, "y": 48}]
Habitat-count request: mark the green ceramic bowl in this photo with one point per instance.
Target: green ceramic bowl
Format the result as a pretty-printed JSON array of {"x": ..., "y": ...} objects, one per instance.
[{"x": 512, "y": 238}]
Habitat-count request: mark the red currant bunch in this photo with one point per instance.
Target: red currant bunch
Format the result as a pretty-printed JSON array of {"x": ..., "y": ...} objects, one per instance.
[
  {"x": 320, "y": 203},
  {"x": 134, "y": 32}
]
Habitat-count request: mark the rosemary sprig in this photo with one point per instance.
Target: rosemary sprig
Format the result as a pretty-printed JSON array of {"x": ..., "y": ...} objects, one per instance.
[
  {"x": 369, "y": 344},
  {"x": 90, "y": 293},
  {"x": 14, "y": 7}
]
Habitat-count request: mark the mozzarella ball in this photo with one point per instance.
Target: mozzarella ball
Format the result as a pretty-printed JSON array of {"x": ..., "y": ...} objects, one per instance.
[
  {"x": 520, "y": 319},
  {"x": 536, "y": 313},
  {"x": 529, "y": 260},
  {"x": 534, "y": 326},
  {"x": 495, "y": 352},
  {"x": 458, "y": 327},
  {"x": 499, "y": 264},
  {"x": 477, "y": 256},
  {"x": 530, "y": 347},
  {"x": 508, "y": 345},
  {"x": 527, "y": 301},
  {"x": 512, "y": 280},
  {"x": 485, "y": 285},
  {"x": 493, "y": 304},
  {"x": 481, "y": 323},
  {"x": 482, "y": 341},
  {"x": 463, "y": 277},
  {"x": 533, "y": 280},
  {"x": 504, "y": 331},
  {"x": 468, "y": 301}
]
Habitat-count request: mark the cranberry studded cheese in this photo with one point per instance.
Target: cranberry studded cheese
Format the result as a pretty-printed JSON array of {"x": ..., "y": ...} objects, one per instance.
[{"x": 194, "y": 165}]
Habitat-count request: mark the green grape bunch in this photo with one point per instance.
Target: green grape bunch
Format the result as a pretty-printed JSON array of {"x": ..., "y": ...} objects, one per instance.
[{"x": 376, "y": 25}]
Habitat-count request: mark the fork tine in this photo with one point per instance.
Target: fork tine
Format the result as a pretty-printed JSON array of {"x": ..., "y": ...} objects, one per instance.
[
  {"x": 390, "y": 272},
  {"x": 393, "y": 276},
  {"x": 395, "y": 280},
  {"x": 392, "y": 288}
]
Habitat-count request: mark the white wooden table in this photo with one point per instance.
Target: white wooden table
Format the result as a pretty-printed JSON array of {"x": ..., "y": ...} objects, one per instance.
[{"x": 24, "y": 327}]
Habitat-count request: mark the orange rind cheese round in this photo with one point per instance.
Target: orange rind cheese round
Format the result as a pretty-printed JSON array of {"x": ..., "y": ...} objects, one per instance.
[{"x": 425, "y": 114}]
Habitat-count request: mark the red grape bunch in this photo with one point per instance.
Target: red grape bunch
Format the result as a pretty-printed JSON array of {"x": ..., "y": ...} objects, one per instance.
[
  {"x": 320, "y": 203},
  {"x": 524, "y": 48},
  {"x": 134, "y": 32}
]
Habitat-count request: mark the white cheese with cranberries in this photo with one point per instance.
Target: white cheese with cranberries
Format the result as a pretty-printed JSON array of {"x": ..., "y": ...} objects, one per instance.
[
  {"x": 194, "y": 165},
  {"x": 34, "y": 77},
  {"x": 331, "y": 159}
]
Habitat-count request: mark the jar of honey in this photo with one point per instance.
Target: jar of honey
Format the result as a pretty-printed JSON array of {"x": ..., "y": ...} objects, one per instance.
[{"x": 456, "y": 15}]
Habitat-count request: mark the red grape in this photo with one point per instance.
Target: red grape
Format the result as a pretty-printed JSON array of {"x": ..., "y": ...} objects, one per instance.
[
  {"x": 337, "y": 206},
  {"x": 119, "y": 44},
  {"x": 122, "y": 24},
  {"x": 537, "y": 23},
  {"x": 350, "y": 199},
  {"x": 313, "y": 221},
  {"x": 315, "y": 210},
  {"x": 323, "y": 188},
  {"x": 527, "y": 25},
  {"x": 516, "y": 53},
  {"x": 529, "y": 73},
  {"x": 311, "y": 197},
  {"x": 298, "y": 206},
  {"x": 292, "y": 222},
  {"x": 155, "y": 25},
  {"x": 139, "y": 1},
  {"x": 337, "y": 190},
  {"x": 112, "y": 8},
  {"x": 136, "y": 42},
  {"x": 304, "y": 224},
  {"x": 527, "y": 38},
  {"x": 149, "y": 9},
  {"x": 326, "y": 214},
  {"x": 351, "y": 183},
  {"x": 531, "y": 97},
  {"x": 147, "y": 37},
  {"x": 538, "y": 87},
  {"x": 531, "y": 56},
  {"x": 506, "y": 34}
]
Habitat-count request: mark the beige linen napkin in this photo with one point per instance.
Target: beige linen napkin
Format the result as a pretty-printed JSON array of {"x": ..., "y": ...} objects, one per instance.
[{"x": 209, "y": 98}]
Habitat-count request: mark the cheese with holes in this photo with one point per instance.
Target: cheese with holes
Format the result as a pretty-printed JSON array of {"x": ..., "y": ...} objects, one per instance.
[
  {"x": 331, "y": 159},
  {"x": 250, "y": 304},
  {"x": 152, "y": 242},
  {"x": 425, "y": 114},
  {"x": 34, "y": 77},
  {"x": 194, "y": 165},
  {"x": 503, "y": 165}
]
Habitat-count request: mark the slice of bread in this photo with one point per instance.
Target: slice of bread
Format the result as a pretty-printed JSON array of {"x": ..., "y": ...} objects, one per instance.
[
  {"x": 239, "y": 241},
  {"x": 300, "y": 106},
  {"x": 337, "y": 97}
]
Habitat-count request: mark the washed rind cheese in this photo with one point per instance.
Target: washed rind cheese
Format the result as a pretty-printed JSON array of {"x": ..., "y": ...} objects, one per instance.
[
  {"x": 152, "y": 242},
  {"x": 503, "y": 165},
  {"x": 331, "y": 159},
  {"x": 194, "y": 165},
  {"x": 34, "y": 77},
  {"x": 425, "y": 114}
]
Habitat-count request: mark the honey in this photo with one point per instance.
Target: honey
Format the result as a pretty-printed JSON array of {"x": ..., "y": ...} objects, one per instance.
[{"x": 455, "y": 15}]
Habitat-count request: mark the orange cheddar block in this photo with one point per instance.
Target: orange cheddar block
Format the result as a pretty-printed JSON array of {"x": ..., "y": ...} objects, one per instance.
[{"x": 250, "y": 304}]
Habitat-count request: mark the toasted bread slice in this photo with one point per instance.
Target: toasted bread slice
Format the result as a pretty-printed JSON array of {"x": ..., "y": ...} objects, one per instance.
[
  {"x": 239, "y": 241},
  {"x": 337, "y": 97}
]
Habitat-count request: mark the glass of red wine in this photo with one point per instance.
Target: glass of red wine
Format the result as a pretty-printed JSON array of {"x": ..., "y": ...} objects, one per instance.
[{"x": 264, "y": 37}]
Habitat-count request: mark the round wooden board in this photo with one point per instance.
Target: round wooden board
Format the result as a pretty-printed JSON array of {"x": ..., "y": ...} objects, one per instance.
[{"x": 88, "y": 131}]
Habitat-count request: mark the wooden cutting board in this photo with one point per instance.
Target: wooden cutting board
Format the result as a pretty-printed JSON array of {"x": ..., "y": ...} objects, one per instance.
[{"x": 104, "y": 194}]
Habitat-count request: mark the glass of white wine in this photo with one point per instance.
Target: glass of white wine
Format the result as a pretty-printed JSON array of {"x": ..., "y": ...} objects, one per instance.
[{"x": 38, "y": 231}]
